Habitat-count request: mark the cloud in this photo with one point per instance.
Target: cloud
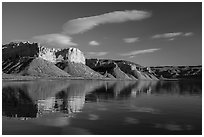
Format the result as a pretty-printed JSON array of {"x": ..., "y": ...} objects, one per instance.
[
  {"x": 189, "y": 34},
  {"x": 171, "y": 36},
  {"x": 131, "y": 40},
  {"x": 94, "y": 43},
  {"x": 55, "y": 40},
  {"x": 136, "y": 52},
  {"x": 97, "y": 53},
  {"x": 84, "y": 24},
  {"x": 167, "y": 35}
]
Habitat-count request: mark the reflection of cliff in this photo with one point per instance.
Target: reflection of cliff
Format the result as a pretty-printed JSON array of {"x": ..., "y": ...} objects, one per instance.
[
  {"x": 17, "y": 103},
  {"x": 32, "y": 99},
  {"x": 43, "y": 97},
  {"x": 124, "y": 89},
  {"x": 179, "y": 87},
  {"x": 73, "y": 97},
  {"x": 38, "y": 90},
  {"x": 110, "y": 90},
  {"x": 143, "y": 87},
  {"x": 120, "y": 90}
]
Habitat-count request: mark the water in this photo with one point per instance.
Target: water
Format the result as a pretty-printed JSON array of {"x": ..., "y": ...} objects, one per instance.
[{"x": 102, "y": 107}]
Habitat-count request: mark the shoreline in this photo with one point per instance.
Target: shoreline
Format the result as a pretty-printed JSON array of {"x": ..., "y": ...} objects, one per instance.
[{"x": 30, "y": 78}]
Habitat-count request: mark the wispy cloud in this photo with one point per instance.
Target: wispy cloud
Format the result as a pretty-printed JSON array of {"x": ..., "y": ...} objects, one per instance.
[
  {"x": 167, "y": 35},
  {"x": 97, "y": 53},
  {"x": 94, "y": 43},
  {"x": 189, "y": 34},
  {"x": 84, "y": 24},
  {"x": 55, "y": 40},
  {"x": 136, "y": 52},
  {"x": 131, "y": 40},
  {"x": 171, "y": 36}
]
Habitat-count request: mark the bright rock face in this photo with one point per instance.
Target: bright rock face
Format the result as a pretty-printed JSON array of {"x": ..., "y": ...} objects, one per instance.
[
  {"x": 70, "y": 54},
  {"x": 76, "y": 56},
  {"x": 47, "y": 54}
]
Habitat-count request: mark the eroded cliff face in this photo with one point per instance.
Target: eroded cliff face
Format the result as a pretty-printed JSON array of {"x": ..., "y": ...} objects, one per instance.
[
  {"x": 71, "y": 55},
  {"x": 34, "y": 50},
  {"x": 25, "y": 58},
  {"x": 47, "y": 54},
  {"x": 32, "y": 59},
  {"x": 20, "y": 49},
  {"x": 75, "y": 55},
  {"x": 121, "y": 69}
]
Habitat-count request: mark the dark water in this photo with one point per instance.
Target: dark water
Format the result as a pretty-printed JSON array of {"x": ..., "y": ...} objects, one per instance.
[{"x": 102, "y": 107}]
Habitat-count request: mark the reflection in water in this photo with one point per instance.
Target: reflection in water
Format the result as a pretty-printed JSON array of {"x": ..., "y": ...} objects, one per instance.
[
  {"x": 131, "y": 120},
  {"x": 32, "y": 99},
  {"x": 174, "y": 127},
  {"x": 53, "y": 103},
  {"x": 17, "y": 103}
]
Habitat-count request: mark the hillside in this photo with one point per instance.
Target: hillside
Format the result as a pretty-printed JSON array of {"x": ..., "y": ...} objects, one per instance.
[
  {"x": 32, "y": 67},
  {"x": 136, "y": 71},
  {"x": 121, "y": 69},
  {"x": 78, "y": 70},
  {"x": 31, "y": 59}
]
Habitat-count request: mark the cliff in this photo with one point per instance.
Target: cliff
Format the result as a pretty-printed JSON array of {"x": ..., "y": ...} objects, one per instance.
[
  {"x": 31, "y": 59},
  {"x": 34, "y": 50},
  {"x": 121, "y": 69}
]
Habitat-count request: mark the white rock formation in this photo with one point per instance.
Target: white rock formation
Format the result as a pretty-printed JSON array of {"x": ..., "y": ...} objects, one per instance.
[
  {"x": 47, "y": 54},
  {"x": 75, "y": 55},
  {"x": 70, "y": 54}
]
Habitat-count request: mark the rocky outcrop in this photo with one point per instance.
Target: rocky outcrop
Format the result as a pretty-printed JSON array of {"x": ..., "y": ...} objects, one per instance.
[
  {"x": 119, "y": 74},
  {"x": 19, "y": 50},
  {"x": 71, "y": 55},
  {"x": 135, "y": 71},
  {"x": 178, "y": 72},
  {"x": 31, "y": 59},
  {"x": 46, "y": 54},
  {"x": 33, "y": 50},
  {"x": 121, "y": 69}
]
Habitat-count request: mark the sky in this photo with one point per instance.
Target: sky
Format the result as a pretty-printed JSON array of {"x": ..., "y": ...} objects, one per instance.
[{"x": 149, "y": 34}]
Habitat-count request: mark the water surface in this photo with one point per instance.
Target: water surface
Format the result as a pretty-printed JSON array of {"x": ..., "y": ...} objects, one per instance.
[{"x": 102, "y": 107}]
